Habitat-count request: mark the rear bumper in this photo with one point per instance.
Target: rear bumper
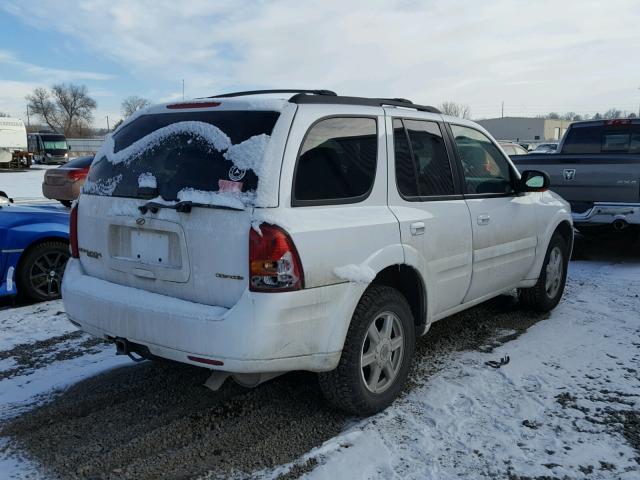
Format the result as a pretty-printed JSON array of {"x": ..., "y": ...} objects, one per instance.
[
  {"x": 263, "y": 332},
  {"x": 604, "y": 213},
  {"x": 53, "y": 160},
  {"x": 67, "y": 191}
]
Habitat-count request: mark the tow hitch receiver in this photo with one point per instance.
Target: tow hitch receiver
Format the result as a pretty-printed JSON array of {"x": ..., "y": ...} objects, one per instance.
[{"x": 124, "y": 347}]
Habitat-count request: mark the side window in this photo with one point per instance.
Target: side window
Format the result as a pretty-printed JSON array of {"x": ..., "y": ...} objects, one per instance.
[
  {"x": 485, "y": 168},
  {"x": 405, "y": 169},
  {"x": 422, "y": 163},
  {"x": 430, "y": 157},
  {"x": 616, "y": 141},
  {"x": 337, "y": 162}
]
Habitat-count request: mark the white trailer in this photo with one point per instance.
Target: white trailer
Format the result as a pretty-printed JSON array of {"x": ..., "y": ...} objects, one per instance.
[{"x": 13, "y": 144}]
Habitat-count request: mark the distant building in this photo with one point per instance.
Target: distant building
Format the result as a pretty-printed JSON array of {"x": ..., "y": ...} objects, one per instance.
[{"x": 527, "y": 130}]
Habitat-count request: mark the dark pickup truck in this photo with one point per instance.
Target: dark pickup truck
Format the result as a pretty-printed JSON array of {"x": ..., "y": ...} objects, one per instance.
[{"x": 597, "y": 170}]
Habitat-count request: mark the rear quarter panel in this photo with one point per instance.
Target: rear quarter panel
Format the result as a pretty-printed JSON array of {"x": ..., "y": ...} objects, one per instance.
[{"x": 329, "y": 236}]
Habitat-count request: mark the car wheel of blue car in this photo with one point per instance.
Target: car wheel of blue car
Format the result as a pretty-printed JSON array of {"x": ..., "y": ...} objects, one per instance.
[{"x": 39, "y": 276}]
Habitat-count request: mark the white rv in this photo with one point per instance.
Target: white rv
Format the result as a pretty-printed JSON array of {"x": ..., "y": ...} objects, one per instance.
[{"x": 13, "y": 144}]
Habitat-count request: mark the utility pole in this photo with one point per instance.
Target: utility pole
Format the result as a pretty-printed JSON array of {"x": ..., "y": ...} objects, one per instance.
[
  {"x": 108, "y": 129},
  {"x": 183, "y": 89},
  {"x": 502, "y": 109},
  {"x": 28, "y": 121}
]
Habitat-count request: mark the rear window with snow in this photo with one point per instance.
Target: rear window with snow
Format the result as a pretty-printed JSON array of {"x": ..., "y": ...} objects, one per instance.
[{"x": 184, "y": 156}]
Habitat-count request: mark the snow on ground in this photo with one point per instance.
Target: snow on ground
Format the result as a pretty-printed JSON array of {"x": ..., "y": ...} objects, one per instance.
[
  {"x": 559, "y": 409},
  {"x": 567, "y": 405},
  {"x": 24, "y": 185},
  {"x": 33, "y": 323},
  {"x": 41, "y": 352}
]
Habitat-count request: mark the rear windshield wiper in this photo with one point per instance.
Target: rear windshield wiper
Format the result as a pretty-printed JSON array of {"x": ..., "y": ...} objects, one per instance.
[{"x": 184, "y": 206}]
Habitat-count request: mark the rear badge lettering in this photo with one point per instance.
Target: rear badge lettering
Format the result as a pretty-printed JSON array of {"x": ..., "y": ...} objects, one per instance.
[
  {"x": 230, "y": 277},
  {"x": 236, "y": 174},
  {"x": 90, "y": 253}
]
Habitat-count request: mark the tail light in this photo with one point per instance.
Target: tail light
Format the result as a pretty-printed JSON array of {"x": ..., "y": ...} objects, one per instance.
[
  {"x": 73, "y": 232},
  {"x": 617, "y": 121},
  {"x": 78, "y": 174},
  {"x": 274, "y": 263}
]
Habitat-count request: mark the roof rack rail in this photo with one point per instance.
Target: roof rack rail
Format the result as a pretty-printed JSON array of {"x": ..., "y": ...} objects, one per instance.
[
  {"x": 372, "y": 102},
  {"x": 261, "y": 92}
]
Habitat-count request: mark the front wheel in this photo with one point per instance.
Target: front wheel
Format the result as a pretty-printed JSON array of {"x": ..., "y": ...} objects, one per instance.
[
  {"x": 546, "y": 293},
  {"x": 376, "y": 356}
]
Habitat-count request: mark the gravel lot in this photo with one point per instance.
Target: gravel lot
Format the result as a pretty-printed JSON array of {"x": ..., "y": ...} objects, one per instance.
[{"x": 153, "y": 420}]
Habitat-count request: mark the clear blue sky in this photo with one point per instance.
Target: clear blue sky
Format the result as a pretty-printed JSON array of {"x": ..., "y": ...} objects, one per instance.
[{"x": 537, "y": 57}]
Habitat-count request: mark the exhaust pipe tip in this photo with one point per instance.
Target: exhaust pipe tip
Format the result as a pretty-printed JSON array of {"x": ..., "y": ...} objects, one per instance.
[{"x": 619, "y": 225}]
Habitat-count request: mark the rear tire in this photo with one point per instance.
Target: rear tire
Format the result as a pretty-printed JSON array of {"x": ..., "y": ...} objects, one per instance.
[
  {"x": 386, "y": 353},
  {"x": 547, "y": 292},
  {"x": 40, "y": 271}
]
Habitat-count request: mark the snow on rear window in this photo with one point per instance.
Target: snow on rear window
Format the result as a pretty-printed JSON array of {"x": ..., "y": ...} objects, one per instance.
[
  {"x": 211, "y": 157},
  {"x": 208, "y": 133},
  {"x": 147, "y": 180},
  {"x": 248, "y": 154},
  {"x": 103, "y": 186}
]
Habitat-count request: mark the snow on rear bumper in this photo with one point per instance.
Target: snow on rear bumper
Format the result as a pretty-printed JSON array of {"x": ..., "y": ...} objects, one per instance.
[{"x": 263, "y": 332}]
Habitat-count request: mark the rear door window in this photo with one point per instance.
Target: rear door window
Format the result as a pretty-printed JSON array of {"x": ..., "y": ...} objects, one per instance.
[
  {"x": 616, "y": 136},
  {"x": 486, "y": 170},
  {"x": 337, "y": 162},
  {"x": 422, "y": 163},
  {"x": 169, "y": 154}
]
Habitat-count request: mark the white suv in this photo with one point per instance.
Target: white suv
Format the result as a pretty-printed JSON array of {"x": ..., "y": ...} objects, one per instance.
[{"x": 254, "y": 235}]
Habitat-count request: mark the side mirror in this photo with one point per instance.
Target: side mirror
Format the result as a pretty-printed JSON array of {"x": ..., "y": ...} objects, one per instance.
[{"x": 534, "y": 181}]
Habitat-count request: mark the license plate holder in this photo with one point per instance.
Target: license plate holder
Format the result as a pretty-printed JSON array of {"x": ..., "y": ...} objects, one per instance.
[{"x": 150, "y": 247}]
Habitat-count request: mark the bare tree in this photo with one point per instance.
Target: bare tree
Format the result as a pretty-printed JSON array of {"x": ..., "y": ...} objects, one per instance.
[
  {"x": 2, "y": 114},
  {"x": 132, "y": 104},
  {"x": 66, "y": 108},
  {"x": 612, "y": 113},
  {"x": 455, "y": 109},
  {"x": 553, "y": 116}
]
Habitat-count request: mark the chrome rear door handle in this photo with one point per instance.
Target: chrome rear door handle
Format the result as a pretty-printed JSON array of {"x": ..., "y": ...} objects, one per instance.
[
  {"x": 483, "y": 219},
  {"x": 417, "y": 228}
]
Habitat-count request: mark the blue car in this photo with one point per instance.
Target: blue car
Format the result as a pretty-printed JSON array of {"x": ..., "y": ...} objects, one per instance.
[{"x": 34, "y": 249}]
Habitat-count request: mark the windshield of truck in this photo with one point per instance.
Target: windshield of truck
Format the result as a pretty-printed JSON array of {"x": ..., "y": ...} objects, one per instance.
[
  {"x": 620, "y": 136},
  {"x": 199, "y": 156},
  {"x": 54, "y": 143}
]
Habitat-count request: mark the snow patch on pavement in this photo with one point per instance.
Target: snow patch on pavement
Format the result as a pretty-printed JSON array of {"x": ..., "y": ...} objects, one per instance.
[{"x": 33, "y": 323}]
